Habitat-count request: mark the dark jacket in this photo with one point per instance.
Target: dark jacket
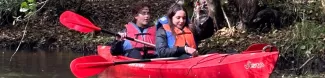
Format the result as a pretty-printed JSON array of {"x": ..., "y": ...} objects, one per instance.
[
  {"x": 129, "y": 48},
  {"x": 203, "y": 30}
]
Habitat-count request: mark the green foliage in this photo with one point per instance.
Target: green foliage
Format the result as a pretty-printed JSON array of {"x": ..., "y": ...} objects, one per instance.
[
  {"x": 28, "y": 6},
  {"x": 304, "y": 40},
  {"x": 297, "y": 43},
  {"x": 298, "y": 9},
  {"x": 90, "y": 38},
  {"x": 9, "y": 10}
]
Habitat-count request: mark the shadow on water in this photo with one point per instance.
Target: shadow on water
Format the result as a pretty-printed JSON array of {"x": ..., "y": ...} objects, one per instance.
[{"x": 36, "y": 64}]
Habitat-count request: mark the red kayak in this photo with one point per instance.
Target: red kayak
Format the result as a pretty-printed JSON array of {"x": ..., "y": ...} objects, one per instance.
[{"x": 256, "y": 62}]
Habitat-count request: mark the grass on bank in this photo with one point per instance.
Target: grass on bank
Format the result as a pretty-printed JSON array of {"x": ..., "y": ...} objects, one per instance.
[{"x": 301, "y": 46}]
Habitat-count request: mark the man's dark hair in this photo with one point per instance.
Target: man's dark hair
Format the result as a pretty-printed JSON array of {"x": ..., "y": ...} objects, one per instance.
[{"x": 138, "y": 7}]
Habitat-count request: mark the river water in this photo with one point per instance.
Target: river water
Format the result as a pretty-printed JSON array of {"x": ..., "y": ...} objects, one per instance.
[
  {"x": 54, "y": 64},
  {"x": 36, "y": 64}
]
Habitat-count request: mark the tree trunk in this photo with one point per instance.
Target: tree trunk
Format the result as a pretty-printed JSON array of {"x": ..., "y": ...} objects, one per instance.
[
  {"x": 215, "y": 12},
  {"x": 323, "y": 4}
]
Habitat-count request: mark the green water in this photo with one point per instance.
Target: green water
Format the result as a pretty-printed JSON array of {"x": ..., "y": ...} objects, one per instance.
[
  {"x": 55, "y": 64},
  {"x": 36, "y": 64}
]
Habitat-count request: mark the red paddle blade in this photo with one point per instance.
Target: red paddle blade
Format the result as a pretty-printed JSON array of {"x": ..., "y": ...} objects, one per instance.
[
  {"x": 78, "y": 68},
  {"x": 77, "y": 22}
]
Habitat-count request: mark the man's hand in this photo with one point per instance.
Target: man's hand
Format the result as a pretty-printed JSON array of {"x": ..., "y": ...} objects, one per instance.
[{"x": 122, "y": 36}]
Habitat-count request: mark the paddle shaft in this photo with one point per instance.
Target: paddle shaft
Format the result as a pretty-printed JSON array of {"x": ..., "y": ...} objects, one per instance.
[
  {"x": 129, "y": 38},
  {"x": 80, "y": 23},
  {"x": 100, "y": 64},
  {"x": 145, "y": 60}
]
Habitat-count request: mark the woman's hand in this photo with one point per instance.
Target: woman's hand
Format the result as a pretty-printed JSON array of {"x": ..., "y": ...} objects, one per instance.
[
  {"x": 121, "y": 37},
  {"x": 191, "y": 51}
]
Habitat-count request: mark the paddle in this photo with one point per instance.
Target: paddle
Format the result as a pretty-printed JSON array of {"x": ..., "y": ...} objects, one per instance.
[
  {"x": 77, "y": 22},
  {"x": 86, "y": 72},
  {"x": 86, "y": 64},
  {"x": 91, "y": 65}
]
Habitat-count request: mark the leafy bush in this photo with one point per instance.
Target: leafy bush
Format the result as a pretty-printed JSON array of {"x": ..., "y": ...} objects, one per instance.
[
  {"x": 9, "y": 10},
  {"x": 303, "y": 41},
  {"x": 295, "y": 10},
  {"x": 28, "y": 6}
]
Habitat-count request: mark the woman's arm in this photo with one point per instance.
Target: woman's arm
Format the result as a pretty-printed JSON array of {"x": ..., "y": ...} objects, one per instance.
[{"x": 162, "y": 48}]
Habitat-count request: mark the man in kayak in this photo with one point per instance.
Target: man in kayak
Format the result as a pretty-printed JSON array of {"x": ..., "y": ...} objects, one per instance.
[
  {"x": 139, "y": 29},
  {"x": 176, "y": 37}
]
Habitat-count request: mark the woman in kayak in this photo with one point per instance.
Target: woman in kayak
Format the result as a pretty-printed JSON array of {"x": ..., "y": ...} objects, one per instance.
[
  {"x": 176, "y": 38},
  {"x": 139, "y": 29}
]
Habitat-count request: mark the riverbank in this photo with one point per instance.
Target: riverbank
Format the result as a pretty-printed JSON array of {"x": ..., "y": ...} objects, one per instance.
[{"x": 43, "y": 29}]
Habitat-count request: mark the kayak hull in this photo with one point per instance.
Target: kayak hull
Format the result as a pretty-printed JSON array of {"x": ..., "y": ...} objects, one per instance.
[{"x": 253, "y": 64}]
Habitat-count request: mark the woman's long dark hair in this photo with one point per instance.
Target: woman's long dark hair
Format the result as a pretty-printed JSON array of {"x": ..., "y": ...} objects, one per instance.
[{"x": 172, "y": 11}]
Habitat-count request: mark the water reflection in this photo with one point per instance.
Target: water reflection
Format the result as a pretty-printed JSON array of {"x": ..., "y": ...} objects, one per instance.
[{"x": 36, "y": 64}]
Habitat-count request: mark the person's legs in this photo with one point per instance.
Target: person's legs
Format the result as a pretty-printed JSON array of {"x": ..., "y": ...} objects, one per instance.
[
  {"x": 133, "y": 53},
  {"x": 150, "y": 56},
  {"x": 184, "y": 56}
]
